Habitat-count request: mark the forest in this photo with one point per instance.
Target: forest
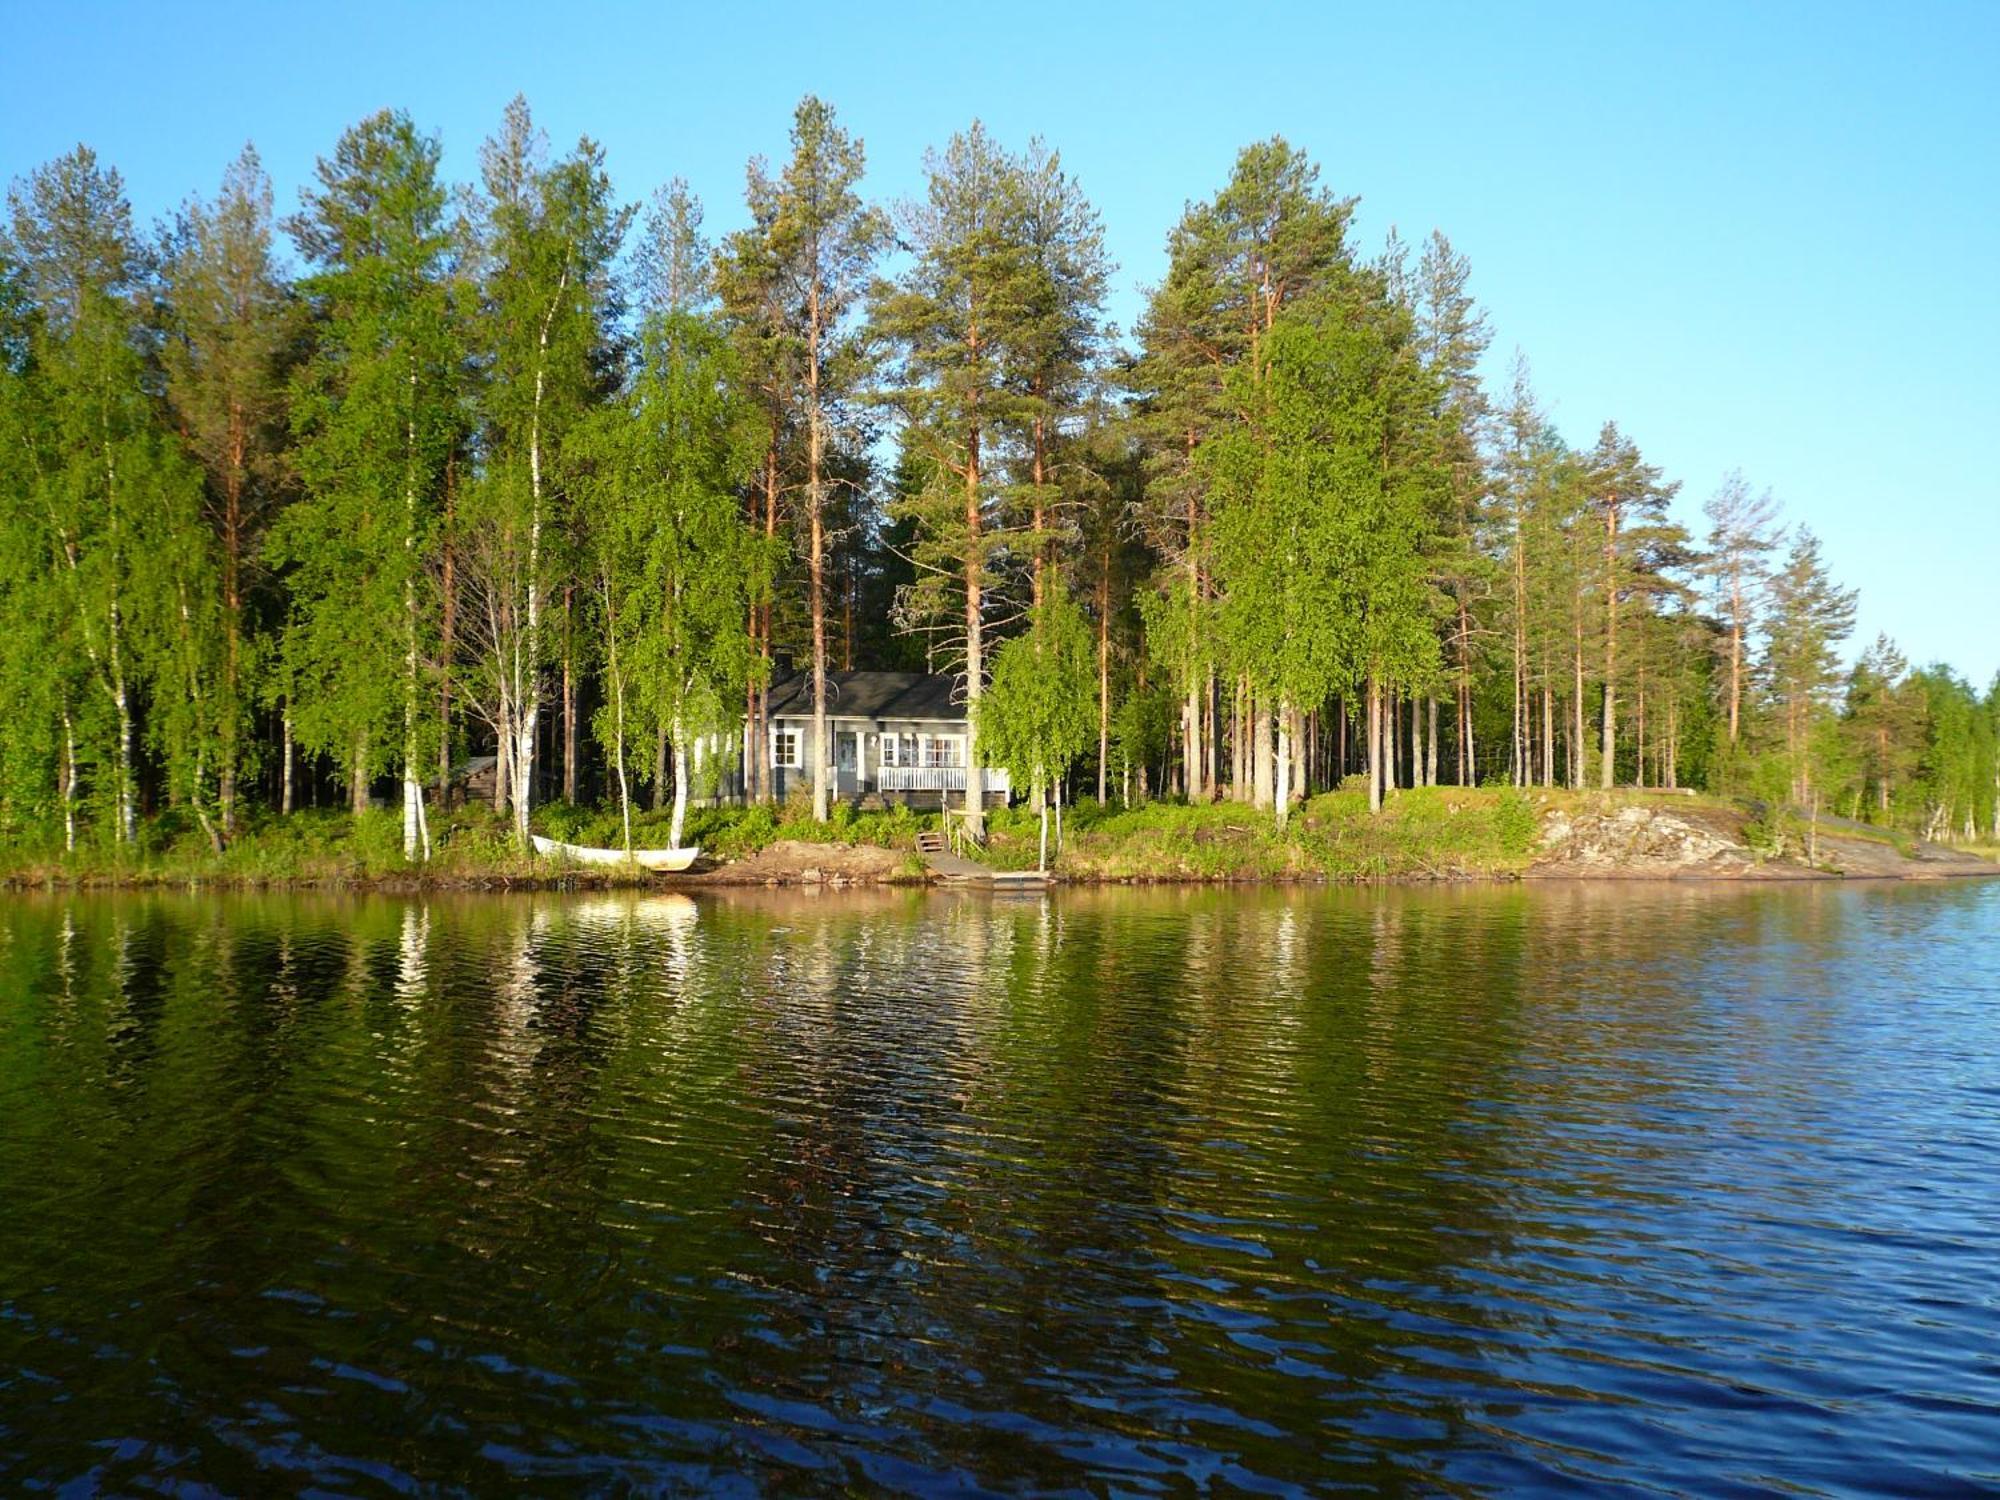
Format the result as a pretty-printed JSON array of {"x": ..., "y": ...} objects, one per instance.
[{"x": 303, "y": 509}]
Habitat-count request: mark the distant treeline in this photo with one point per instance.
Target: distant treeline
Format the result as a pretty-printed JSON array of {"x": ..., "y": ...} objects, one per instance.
[{"x": 514, "y": 468}]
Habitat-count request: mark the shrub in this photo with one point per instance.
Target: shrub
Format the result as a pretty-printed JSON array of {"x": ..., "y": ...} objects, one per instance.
[{"x": 1515, "y": 823}]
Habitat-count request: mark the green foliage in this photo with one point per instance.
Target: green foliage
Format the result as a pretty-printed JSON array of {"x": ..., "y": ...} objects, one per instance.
[
  {"x": 1040, "y": 714},
  {"x": 1515, "y": 823},
  {"x": 375, "y": 413},
  {"x": 375, "y": 514}
]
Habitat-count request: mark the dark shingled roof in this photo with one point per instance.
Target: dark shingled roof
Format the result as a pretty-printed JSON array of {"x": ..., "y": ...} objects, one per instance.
[{"x": 871, "y": 695}]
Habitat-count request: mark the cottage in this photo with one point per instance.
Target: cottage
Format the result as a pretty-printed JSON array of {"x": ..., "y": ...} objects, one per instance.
[{"x": 896, "y": 737}]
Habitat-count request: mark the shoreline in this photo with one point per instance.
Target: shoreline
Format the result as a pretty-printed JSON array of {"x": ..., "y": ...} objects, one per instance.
[
  {"x": 724, "y": 879},
  {"x": 1427, "y": 836}
]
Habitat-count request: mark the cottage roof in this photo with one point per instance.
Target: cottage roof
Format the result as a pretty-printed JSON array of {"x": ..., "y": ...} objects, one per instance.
[{"x": 871, "y": 695}]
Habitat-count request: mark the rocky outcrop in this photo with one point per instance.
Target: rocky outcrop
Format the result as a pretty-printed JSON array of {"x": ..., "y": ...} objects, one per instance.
[
  {"x": 1639, "y": 841},
  {"x": 1625, "y": 840}
]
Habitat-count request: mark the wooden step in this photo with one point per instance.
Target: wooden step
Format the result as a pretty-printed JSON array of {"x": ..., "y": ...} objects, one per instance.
[{"x": 930, "y": 842}]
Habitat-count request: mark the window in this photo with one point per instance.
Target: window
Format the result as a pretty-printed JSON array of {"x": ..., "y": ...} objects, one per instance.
[
  {"x": 888, "y": 750},
  {"x": 785, "y": 748},
  {"x": 942, "y": 750}
]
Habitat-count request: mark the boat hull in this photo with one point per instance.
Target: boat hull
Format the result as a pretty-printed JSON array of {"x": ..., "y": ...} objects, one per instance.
[{"x": 661, "y": 860}]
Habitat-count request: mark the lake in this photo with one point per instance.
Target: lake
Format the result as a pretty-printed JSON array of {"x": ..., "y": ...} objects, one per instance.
[{"x": 1470, "y": 1190}]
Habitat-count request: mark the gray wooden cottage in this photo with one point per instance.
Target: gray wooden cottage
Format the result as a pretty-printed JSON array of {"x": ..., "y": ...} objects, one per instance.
[{"x": 894, "y": 737}]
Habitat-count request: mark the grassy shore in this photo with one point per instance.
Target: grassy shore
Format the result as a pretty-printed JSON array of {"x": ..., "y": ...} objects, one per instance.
[
  {"x": 472, "y": 848},
  {"x": 1433, "y": 833},
  {"x": 1419, "y": 835},
  {"x": 1429, "y": 833}
]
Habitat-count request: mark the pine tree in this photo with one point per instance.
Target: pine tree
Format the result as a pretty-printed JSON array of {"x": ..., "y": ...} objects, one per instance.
[
  {"x": 1741, "y": 530},
  {"x": 1808, "y": 617},
  {"x": 1452, "y": 337},
  {"x": 1628, "y": 494},
  {"x": 1057, "y": 347},
  {"x": 1881, "y": 726},
  {"x": 231, "y": 336},
  {"x": 809, "y": 253},
  {"x": 957, "y": 320}
]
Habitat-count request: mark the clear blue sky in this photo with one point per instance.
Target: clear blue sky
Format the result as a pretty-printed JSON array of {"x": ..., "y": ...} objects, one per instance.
[{"x": 1759, "y": 236}]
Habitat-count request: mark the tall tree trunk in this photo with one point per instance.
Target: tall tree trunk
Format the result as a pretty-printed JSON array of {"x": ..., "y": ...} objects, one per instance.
[
  {"x": 1548, "y": 731},
  {"x": 232, "y": 621},
  {"x": 66, "y": 779},
  {"x": 1606, "y": 773},
  {"x": 1260, "y": 751},
  {"x": 1103, "y": 670},
  {"x": 1284, "y": 762},
  {"x": 1735, "y": 647},
  {"x": 975, "y": 662},
  {"x": 1576, "y": 735},
  {"x": 569, "y": 693},
  {"x": 285, "y": 752},
  {"x": 357, "y": 786},
  {"x": 528, "y": 677},
  {"x": 1038, "y": 556},
  {"x": 816, "y": 524},
  {"x": 1519, "y": 770},
  {"x": 617, "y": 684},
  {"x": 679, "y": 824},
  {"x": 1374, "y": 743},
  {"x": 503, "y": 759},
  {"x": 448, "y": 631},
  {"x": 1640, "y": 727},
  {"x": 1388, "y": 737},
  {"x": 660, "y": 773}
]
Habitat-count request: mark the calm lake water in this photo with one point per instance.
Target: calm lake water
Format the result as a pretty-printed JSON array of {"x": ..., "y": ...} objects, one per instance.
[{"x": 1695, "y": 1191}]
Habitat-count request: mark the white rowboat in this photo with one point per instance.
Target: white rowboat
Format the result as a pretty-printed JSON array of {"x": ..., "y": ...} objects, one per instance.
[{"x": 645, "y": 859}]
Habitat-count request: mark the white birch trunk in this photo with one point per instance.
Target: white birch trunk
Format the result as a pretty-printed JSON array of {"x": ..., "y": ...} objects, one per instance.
[
  {"x": 680, "y": 787},
  {"x": 1284, "y": 766},
  {"x": 528, "y": 690}
]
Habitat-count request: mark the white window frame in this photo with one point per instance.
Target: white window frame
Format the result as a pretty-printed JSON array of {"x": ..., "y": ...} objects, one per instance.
[
  {"x": 943, "y": 752},
  {"x": 787, "y": 749}
]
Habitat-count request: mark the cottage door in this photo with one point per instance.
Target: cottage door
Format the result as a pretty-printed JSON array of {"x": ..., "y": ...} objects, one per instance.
[{"x": 847, "y": 763}]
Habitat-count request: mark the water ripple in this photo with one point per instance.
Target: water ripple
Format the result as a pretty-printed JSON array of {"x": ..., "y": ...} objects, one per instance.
[{"x": 1678, "y": 1191}]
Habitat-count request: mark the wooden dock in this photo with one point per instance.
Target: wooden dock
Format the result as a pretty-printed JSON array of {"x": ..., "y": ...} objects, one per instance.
[{"x": 956, "y": 869}]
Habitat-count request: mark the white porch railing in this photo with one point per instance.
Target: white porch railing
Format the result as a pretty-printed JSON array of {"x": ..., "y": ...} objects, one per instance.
[{"x": 933, "y": 779}]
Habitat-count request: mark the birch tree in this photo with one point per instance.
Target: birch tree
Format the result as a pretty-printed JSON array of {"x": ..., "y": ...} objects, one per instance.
[
  {"x": 374, "y": 413},
  {"x": 1269, "y": 238},
  {"x": 1039, "y": 715},
  {"x": 552, "y": 233},
  {"x": 93, "y": 453},
  {"x": 675, "y": 556}
]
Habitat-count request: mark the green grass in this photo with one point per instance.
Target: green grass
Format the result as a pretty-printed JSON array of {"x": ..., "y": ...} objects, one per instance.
[
  {"x": 470, "y": 846},
  {"x": 1425, "y": 833},
  {"x": 315, "y": 847}
]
